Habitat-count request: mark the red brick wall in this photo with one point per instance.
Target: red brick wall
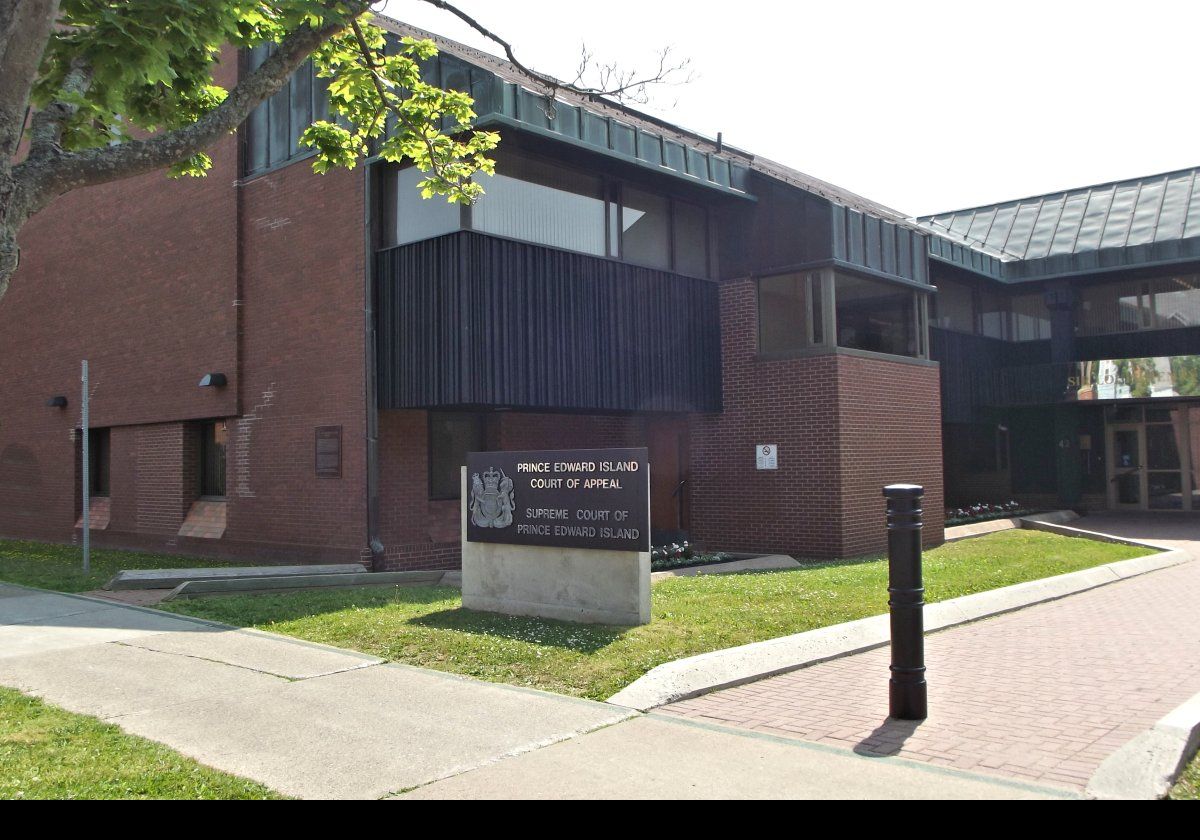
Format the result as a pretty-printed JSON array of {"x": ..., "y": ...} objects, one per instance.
[
  {"x": 302, "y": 364},
  {"x": 845, "y": 426},
  {"x": 146, "y": 279},
  {"x": 140, "y": 278}
]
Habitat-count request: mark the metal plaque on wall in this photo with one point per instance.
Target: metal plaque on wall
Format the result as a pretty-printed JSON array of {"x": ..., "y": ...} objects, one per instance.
[
  {"x": 329, "y": 452},
  {"x": 577, "y": 498}
]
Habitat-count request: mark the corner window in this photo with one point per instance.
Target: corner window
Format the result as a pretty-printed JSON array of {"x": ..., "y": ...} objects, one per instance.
[
  {"x": 791, "y": 312},
  {"x": 213, "y": 437},
  {"x": 877, "y": 316},
  {"x": 99, "y": 459},
  {"x": 451, "y": 436}
]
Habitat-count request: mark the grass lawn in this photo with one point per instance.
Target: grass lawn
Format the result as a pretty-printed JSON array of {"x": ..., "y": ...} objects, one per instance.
[
  {"x": 60, "y": 567},
  {"x": 1188, "y": 786},
  {"x": 48, "y": 753},
  {"x": 427, "y": 626}
]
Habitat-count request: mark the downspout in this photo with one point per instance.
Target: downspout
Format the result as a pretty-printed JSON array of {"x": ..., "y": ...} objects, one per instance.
[{"x": 371, "y": 371}]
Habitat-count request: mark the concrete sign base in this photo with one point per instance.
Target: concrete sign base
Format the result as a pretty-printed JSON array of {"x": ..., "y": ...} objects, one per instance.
[{"x": 569, "y": 584}]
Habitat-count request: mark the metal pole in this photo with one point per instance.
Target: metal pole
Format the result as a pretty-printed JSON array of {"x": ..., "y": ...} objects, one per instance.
[
  {"x": 87, "y": 482},
  {"x": 906, "y": 591}
]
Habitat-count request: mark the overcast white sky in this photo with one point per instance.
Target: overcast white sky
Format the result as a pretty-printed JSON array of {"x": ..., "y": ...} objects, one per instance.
[{"x": 923, "y": 106}]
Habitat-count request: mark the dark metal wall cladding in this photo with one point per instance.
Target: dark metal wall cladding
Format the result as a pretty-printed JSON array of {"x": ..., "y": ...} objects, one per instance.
[
  {"x": 980, "y": 373},
  {"x": 879, "y": 245},
  {"x": 471, "y": 320}
]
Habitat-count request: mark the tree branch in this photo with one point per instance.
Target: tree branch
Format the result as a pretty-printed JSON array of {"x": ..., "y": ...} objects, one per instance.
[
  {"x": 55, "y": 172},
  {"x": 25, "y": 29},
  {"x": 45, "y": 131},
  {"x": 625, "y": 85}
]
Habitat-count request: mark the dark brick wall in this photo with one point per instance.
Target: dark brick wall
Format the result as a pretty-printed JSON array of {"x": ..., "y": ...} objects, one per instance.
[{"x": 845, "y": 426}]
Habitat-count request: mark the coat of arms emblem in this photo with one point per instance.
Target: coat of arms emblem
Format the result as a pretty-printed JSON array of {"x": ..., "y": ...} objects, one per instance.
[{"x": 492, "y": 499}]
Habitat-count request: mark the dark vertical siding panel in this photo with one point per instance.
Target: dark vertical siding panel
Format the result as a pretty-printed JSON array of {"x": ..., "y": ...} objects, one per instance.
[{"x": 468, "y": 319}]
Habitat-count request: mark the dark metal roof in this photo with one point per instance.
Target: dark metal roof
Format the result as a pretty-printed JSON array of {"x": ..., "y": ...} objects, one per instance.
[
  {"x": 1155, "y": 219},
  {"x": 617, "y": 130}
]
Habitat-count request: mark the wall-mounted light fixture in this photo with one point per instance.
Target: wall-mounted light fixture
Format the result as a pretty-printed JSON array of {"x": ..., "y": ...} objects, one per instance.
[
  {"x": 57, "y": 402},
  {"x": 214, "y": 380}
]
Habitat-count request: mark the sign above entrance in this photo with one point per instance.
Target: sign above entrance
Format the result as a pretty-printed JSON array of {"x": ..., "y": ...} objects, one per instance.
[{"x": 579, "y": 498}]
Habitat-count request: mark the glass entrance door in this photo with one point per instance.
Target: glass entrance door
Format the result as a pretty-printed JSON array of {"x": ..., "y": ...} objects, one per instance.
[
  {"x": 1149, "y": 458},
  {"x": 1126, "y": 477}
]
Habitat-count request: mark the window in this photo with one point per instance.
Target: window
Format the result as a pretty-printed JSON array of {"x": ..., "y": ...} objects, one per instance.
[
  {"x": 98, "y": 461},
  {"x": 691, "y": 239},
  {"x": 544, "y": 203},
  {"x": 1030, "y": 318},
  {"x": 213, "y": 436},
  {"x": 1131, "y": 305},
  {"x": 406, "y": 217},
  {"x": 954, "y": 306},
  {"x": 790, "y": 315},
  {"x": 451, "y": 437},
  {"x": 877, "y": 316},
  {"x": 271, "y": 134},
  {"x": 645, "y": 229}
]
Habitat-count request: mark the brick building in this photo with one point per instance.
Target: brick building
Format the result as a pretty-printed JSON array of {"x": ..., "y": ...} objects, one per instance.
[{"x": 623, "y": 283}]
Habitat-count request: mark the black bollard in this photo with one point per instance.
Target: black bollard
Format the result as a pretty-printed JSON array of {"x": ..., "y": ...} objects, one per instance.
[{"x": 906, "y": 600}]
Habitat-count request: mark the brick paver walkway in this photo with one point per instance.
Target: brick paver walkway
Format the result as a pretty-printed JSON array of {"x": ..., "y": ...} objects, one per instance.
[{"x": 1042, "y": 694}]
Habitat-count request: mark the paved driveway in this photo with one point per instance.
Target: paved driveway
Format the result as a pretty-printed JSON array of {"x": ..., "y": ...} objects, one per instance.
[{"x": 1042, "y": 694}]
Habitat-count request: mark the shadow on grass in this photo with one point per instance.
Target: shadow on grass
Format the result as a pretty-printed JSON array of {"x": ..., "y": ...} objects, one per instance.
[{"x": 585, "y": 638}]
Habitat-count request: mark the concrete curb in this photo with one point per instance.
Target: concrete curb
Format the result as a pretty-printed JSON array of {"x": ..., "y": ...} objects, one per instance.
[
  {"x": 296, "y": 583},
  {"x": 763, "y": 563},
  {"x": 981, "y": 529},
  {"x": 1151, "y": 763},
  {"x": 696, "y": 675}
]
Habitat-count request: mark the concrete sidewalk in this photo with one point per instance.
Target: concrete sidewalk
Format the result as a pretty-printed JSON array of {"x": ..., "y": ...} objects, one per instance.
[{"x": 314, "y": 721}]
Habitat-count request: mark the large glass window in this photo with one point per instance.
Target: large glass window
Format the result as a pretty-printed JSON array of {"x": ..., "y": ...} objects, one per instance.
[
  {"x": 1130, "y": 305},
  {"x": 406, "y": 217},
  {"x": 213, "y": 436},
  {"x": 876, "y": 316},
  {"x": 646, "y": 228},
  {"x": 1030, "y": 318},
  {"x": 540, "y": 202},
  {"x": 783, "y": 307},
  {"x": 451, "y": 436},
  {"x": 691, "y": 239},
  {"x": 954, "y": 306}
]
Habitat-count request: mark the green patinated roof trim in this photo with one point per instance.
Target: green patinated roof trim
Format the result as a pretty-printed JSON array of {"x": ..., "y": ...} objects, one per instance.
[{"x": 1144, "y": 221}]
